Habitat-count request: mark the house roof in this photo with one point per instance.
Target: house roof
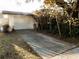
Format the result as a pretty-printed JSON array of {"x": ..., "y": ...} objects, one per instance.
[
  {"x": 19, "y": 13},
  {"x": 16, "y": 13}
]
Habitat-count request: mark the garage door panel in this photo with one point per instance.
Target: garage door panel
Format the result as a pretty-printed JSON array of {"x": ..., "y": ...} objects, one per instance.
[{"x": 23, "y": 23}]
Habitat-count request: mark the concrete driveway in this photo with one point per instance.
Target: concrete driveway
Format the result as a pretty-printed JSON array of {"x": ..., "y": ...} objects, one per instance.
[{"x": 47, "y": 47}]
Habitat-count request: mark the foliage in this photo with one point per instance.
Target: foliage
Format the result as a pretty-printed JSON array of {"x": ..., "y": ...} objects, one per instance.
[
  {"x": 67, "y": 20},
  {"x": 49, "y": 1}
]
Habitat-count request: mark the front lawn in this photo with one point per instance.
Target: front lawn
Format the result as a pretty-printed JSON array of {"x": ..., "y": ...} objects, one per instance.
[{"x": 13, "y": 47}]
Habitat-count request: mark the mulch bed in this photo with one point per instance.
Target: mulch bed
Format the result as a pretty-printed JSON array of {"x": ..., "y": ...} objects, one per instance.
[{"x": 73, "y": 40}]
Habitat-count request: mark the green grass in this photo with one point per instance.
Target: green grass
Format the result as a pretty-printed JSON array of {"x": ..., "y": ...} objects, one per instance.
[{"x": 4, "y": 42}]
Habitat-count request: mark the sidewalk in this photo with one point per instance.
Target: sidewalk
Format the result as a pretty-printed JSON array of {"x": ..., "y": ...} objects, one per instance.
[{"x": 72, "y": 54}]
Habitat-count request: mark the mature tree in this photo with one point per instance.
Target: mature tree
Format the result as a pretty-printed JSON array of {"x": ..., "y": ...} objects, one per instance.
[{"x": 52, "y": 9}]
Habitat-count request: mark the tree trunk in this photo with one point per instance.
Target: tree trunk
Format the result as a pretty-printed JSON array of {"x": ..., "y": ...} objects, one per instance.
[
  {"x": 50, "y": 27},
  {"x": 58, "y": 27},
  {"x": 70, "y": 24},
  {"x": 78, "y": 14},
  {"x": 70, "y": 28}
]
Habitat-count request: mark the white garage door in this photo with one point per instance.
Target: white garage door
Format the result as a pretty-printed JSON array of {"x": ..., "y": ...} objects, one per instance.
[{"x": 23, "y": 22}]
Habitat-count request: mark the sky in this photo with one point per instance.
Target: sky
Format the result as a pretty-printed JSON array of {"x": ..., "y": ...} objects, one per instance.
[{"x": 20, "y": 5}]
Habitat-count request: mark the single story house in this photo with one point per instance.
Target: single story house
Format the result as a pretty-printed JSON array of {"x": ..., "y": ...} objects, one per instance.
[{"x": 17, "y": 20}]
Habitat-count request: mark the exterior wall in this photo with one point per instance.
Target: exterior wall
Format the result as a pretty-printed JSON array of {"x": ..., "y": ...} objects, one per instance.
[{"x": 3, "y": 20}]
